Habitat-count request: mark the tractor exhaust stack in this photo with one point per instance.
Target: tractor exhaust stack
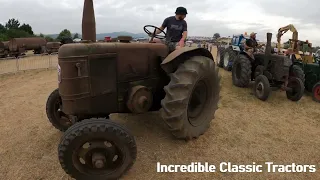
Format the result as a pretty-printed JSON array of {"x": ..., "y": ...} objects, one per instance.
[
  {"x": 268, "y": 50},
  {"x": 88, "y": 22}
]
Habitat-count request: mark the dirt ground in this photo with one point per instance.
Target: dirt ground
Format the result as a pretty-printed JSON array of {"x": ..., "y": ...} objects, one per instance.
[{"x": 244, "y": 130}]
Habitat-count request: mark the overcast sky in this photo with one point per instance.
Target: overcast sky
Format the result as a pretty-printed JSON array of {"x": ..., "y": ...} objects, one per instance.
[{"x": 204, "y": 18}]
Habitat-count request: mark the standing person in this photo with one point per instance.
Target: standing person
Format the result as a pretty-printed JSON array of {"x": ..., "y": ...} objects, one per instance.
[{"x": 177, "y": 29}]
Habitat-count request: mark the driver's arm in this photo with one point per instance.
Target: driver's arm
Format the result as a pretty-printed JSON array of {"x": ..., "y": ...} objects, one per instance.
[
  {"x": 163, "y": 26},
  {"x": 185, "y": 32}
]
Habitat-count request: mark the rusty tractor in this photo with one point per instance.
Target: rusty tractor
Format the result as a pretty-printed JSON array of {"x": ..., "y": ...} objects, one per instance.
[{"x": 97, "y": 79}]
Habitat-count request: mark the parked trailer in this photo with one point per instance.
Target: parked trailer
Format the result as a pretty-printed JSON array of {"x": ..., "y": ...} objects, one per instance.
[
  {"x": 19, "y": 45},
  {"x": 52, "y": 47},
  {"x": 4, "y": 49}
]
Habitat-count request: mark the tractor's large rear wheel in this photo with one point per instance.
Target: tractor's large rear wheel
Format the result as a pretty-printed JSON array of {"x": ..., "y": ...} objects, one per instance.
[
  {"x": 97, "y": 149},
  {"x": 191, "y": 98},
  {"x": 241, "y": 71},
  {"x": 228, "y": 59},
  {"x": 219, "y": 60},
  {"x": 296, "y": 71}
]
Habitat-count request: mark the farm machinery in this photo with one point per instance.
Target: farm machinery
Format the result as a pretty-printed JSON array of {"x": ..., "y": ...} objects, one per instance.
[
  {"x": 97, "y": 79},
  {"x": 269, "y": 71},
  {"x": 4, "y": 49},
  {"x": 305, "y": 65},
  {"x": 227, "y": 53}
]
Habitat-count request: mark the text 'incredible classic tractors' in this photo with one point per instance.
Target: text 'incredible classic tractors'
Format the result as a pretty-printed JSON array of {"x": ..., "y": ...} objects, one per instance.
[
  {"x": 269, "y": 71},
  {"x": 97, "y": 79}
]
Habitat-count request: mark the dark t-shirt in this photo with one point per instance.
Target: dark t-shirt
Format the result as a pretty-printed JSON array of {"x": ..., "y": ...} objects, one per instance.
[
  {"x": 175, "y": 28},
  {"x": 251, "y": 43}
]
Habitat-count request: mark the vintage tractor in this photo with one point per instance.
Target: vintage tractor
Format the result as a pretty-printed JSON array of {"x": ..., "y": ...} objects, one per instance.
[
  {"x": 312, "y": 77},
  {"x": 227, "y": 53},
  {"x": 97, "y": 79},
  {"x": 269, "y": 71}
]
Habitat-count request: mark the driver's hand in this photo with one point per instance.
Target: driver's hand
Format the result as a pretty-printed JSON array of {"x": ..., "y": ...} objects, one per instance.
[{"x": 181, "y": 43}]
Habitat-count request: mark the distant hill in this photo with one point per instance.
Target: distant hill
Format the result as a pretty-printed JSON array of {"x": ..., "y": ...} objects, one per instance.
[{"x": 112, "y": 35}]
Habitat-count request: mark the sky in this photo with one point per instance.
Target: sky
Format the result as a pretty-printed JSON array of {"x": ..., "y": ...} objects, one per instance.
[{"x": 204, "y": 18}]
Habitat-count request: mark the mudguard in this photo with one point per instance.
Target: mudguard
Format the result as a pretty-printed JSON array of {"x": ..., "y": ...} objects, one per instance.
[
  {"x": 244, "y": 53},
  {"x": 171, "y": 62}
]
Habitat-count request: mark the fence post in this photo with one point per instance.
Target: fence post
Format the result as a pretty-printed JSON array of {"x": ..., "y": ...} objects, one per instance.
[{"x": 17, "y": 63}]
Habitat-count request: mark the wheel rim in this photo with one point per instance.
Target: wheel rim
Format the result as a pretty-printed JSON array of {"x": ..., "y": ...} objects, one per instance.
[
  {"x": 226, "y": 59},
  {"x": 59, "y": 115},
  {"x": 316, "y": 93},
  {"x": 98, "y": 157},
  {"x": 260, "y": 89},
  {"x": 197, "y": 103}
]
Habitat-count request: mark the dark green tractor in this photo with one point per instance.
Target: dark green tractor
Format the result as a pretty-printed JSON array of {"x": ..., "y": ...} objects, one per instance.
[{"x": 312, "y": 78}]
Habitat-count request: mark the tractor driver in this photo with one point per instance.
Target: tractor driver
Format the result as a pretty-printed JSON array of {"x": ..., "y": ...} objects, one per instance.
[
  {"x": 177, "y": 30},
  {"x": 251, "y": 44}
]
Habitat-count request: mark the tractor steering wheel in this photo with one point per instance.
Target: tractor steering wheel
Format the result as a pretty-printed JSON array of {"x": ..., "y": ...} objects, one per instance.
[{"x": 154, "y": 35}]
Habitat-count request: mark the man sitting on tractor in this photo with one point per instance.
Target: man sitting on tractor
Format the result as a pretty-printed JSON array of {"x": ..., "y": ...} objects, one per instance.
[
  {"x": 177, "y": 30},
  {"x": 250, "y": 45}
]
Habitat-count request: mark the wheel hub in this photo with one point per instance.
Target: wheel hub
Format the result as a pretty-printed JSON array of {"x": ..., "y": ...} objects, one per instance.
[
  {"x": 60, "y": 115},
  {"x": 98, "y": 156},
  {"x": 98, "y": 160},
  {"x": 260, "y": 89},
  {"x": 197, "y": 102}
]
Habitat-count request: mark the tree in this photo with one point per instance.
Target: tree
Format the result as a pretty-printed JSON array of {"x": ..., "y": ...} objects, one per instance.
[
  {"x": 17, "y": 33},
  {"x": 216, "y": 35},
  {"x": 41, "y": 35},
  {"x": 12, "y": 24},
  {"x": 49, "y": 39},
  {"x": 76, "y": 35},
  {"x": 64, "y": 34},
  {"x": 27, "y": 28},
  {"x": 2, "y": 28}
]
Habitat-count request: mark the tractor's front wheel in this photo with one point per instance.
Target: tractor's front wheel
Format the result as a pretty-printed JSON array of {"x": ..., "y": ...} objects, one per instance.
[
  {"x": 54, "y": 112},
  {"x": 241, "y": 71},
  {"x": 262, "y": 88},
  {"x": 316, "y": 92},
  {"x": 296, "y": 89},
  {"x": 97, "y": 149},
  {"x": 191, "y": 98}
]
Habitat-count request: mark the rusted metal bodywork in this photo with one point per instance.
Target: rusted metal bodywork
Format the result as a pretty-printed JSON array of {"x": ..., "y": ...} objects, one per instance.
[
  {"x": 96, "y": 77},
  {"x": 53, "y": 47},
  {"x": 180, "y": 55},
  {"x": 88, "y": 22}
]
